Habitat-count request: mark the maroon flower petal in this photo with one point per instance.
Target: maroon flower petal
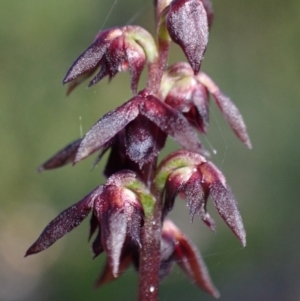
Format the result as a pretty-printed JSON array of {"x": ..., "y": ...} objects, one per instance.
[
  {"x": 64, "y": 223},
  {"x": 197, "y": 198},
  {"x": 228, "y": 210},
  {"x": 223, "y": 199},
  {"x": 89, "y": 59},
  {"x": 115, "y": 237},
  {"x": 134, "y": 215},
  {"x": 228, "y": 108},
  {"x": 200, "y": 101},
  {"x": 107, "y": 274},
  {"x": 136, "y": 59},
  {"x": 106, "y": 128},
  {"x": 233, "y": 116},
  {"x": 93, "y": 225},
  {"x": 190, "y": 260},
  {"x": 188, "y": 27},
  {"x": 171, "y": 122},
  {"x": 97, "y": 244},
  {"x": 63, "y": 157},
  {"x": 104, "y": 71},
  {"x": 111, "y": 216}
]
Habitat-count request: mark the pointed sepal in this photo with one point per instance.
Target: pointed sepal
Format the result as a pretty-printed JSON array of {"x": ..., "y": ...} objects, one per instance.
[
  {"x": 228, "y": 109},
  {"x": 61, "y": 158},
  {"x": 189, "y": 259},
  {"x": 64, "y": 223},
  {"x": 224, "y": 200}
]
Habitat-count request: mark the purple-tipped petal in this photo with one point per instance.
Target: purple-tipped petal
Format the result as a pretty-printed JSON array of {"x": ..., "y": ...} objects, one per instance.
[
  {"x": 64, "y": 223},
  {"x": 63, "y": 157},
  {"x": 106, "y": 128},
  {"x": 228, "y": 210},
  {"x": 172, "y": 122},
  {"x": 188, "y": 27}
]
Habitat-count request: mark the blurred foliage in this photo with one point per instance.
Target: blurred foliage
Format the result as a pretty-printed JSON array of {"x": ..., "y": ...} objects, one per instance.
[{"x": 253, "y": 55}]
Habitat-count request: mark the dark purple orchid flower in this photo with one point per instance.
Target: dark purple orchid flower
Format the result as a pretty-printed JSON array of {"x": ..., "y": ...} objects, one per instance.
[
  {"x": 195, "y": 179},
  {"x": 154, "y": 118},
  {"x": 189, "y": 94},
  {"x": 117, "y": 214},
  {"x": 114, "y": 50}
]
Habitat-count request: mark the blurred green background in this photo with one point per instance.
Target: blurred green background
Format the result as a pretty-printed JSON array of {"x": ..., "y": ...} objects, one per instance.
[{"x": 254, "y": 56}]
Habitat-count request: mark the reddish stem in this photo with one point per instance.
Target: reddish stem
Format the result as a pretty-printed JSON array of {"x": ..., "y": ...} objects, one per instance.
[
  {"x": 151, "y": 232},
  {"x": 150, "y": 256},
  {"x": 157, "y": 68}
]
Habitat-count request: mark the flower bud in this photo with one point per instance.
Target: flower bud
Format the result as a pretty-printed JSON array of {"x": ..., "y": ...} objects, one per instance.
[{"x": 187, "y": 24}]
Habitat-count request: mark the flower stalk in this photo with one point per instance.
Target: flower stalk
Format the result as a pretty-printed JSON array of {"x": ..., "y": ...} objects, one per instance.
[{"x": 150, "y": 256}]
